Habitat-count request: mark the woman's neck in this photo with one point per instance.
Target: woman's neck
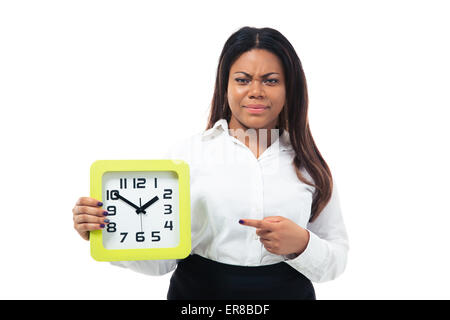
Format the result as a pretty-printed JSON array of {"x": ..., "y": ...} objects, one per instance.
[{"x": 256, "y": 139}]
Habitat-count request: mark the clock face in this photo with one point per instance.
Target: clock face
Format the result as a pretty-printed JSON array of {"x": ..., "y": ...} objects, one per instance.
[{"x": 143, "y": 209}]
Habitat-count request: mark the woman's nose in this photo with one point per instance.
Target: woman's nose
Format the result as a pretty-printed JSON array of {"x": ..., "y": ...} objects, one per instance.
[{"x": 256, "y": 89}]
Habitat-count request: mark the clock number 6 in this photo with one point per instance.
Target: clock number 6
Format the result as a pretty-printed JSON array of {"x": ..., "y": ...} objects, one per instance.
[{"x": 140, "y": 237}]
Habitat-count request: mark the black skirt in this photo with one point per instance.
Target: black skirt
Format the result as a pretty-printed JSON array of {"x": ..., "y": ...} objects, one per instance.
[{"x": 199, "y": 278}]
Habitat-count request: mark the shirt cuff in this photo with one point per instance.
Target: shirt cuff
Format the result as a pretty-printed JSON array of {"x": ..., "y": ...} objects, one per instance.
[{"x": 312, "y": 261}]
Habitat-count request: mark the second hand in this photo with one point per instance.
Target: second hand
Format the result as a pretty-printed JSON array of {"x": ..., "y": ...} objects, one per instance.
[{"x": 140, "y": 205}]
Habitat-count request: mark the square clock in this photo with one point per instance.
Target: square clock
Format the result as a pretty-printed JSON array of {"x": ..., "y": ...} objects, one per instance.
[{"x": 148, "y": 204}]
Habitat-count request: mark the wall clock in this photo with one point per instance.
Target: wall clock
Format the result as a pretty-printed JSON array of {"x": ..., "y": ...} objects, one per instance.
[{"x": 148, "y": 204}]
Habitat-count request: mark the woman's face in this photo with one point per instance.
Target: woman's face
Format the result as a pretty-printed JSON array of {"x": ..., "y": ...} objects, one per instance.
[{"x": 256, "y": 90}]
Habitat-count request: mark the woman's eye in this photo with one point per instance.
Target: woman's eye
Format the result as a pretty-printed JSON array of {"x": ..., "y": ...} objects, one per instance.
[
  {"x": 245, "y": 81},
  {"x": 272, "y": 81},
  {"x": 239, "y": 80}
]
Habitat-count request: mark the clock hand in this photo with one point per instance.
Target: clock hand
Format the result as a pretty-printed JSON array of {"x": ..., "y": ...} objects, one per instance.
[
  {"x": 148, "y": 204},
  {"x": 140, "y": 216},
  {"x": 126, "y": 200}
]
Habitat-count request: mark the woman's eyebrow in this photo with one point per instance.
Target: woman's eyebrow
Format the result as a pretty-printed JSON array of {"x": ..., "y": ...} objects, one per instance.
[{"x": 265, "y": 75}]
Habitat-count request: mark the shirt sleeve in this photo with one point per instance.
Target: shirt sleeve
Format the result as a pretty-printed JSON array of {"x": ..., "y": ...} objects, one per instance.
[
  {"x": 149, "y": 267},
  {"x": 325, "y": 256}
]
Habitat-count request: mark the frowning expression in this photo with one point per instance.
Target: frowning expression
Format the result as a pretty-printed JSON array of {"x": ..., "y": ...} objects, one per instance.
[{"x": 256, "y": 90}]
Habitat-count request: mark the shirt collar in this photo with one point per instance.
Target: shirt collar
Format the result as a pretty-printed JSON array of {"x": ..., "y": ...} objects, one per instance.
[
  {"x": 218, "y": 127},
  {"x": 222, "y": 126}
]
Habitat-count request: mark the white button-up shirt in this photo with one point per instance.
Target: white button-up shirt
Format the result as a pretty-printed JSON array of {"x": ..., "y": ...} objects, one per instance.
[{"x": 229, "y": 183}]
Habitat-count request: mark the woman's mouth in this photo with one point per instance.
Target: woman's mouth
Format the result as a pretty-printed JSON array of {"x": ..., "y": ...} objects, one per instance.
[{"x": 256, "y": 108}]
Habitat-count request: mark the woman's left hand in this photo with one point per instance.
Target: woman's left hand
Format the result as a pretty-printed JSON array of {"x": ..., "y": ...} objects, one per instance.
[{"x": 279, "y": 235}]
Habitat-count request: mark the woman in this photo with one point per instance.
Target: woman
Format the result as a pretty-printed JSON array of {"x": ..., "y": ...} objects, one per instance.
[{"x": 266, "y": 219}]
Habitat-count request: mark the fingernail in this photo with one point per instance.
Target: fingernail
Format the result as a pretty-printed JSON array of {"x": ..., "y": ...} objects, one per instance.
[
  {"x": 241, "y": 221},
  {"x": 105, "y": 213},
  {"x": 100, "y": 204},
  {"x": 106, "y": 221},
  {"x": 102, "y": 225}
]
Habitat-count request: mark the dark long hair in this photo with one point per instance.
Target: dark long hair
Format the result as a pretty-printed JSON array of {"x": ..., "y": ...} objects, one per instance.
[{"x": 293, "y": 117}]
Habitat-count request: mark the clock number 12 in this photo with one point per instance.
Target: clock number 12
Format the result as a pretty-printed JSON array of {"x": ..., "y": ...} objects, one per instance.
[{"x": 138, "y": 183}]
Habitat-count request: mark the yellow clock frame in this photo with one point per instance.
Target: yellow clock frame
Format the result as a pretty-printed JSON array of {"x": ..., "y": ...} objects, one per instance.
[{"x": 181, "y": 168}]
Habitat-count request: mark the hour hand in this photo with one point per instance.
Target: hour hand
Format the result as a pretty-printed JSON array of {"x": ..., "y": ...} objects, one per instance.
[
  {"x": 125, "y": 200},
  {"x": 147, "y": 204}
]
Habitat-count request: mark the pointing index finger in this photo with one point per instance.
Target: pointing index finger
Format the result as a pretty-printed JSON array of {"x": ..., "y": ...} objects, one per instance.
[{"x": 259, "y": 224}]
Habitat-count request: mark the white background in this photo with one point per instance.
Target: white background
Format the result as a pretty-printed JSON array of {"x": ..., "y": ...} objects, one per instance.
[{"x": 88, "y": 80}]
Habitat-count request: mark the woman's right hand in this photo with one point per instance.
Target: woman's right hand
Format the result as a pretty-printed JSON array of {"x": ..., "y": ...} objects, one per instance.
[{"x": 88, "y": 215}]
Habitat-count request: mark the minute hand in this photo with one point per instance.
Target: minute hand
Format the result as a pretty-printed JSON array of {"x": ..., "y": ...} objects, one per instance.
[
  {"x": 147, "y": 204},
  {"x": 126, "y": 201}
]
